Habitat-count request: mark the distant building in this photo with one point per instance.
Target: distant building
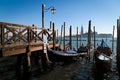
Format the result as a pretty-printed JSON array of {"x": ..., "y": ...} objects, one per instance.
[
  {"x": 85, "y": 35},
  {"x": 101, "y": 35}
]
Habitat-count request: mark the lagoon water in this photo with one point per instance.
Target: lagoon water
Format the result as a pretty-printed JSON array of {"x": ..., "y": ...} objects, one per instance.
[
  {"x": 60, "y": 71},
  {"x": 98, "y": 41}
]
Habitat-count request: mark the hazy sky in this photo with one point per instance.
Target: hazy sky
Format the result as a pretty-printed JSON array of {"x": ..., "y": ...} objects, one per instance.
[{"x": 102, "y": 13}]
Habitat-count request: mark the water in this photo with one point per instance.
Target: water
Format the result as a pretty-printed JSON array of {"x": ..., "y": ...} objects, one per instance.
[
  {"x": 98, "y": 41},
  {"x": 76, "y": 70}
]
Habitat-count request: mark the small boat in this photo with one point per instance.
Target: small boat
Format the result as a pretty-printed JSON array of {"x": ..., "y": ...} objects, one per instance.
[
  {"x": 62, "y": 56},
  {"x": 83, "y": 51},
  {"x": 103, "y": 57}
]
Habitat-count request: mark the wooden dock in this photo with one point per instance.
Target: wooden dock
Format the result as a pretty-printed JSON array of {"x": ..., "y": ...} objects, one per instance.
[
  {"x": 25, "y": 41},
  {"x": 17, "y": 39}
]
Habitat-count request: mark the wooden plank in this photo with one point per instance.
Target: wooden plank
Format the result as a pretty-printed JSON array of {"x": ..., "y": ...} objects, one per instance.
[
  {"x": 51, "y": 46},
  {"x": 16, "y": 49},
  {"x": 12, "y": 24},
  {"x": 13, "y": 52},
  {"x": 15, "y": 45},
  {"x": 36, "y": 48}
]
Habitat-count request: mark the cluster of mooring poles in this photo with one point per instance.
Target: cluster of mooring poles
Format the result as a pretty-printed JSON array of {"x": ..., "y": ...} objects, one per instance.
[{"x": 63, "y": 29}]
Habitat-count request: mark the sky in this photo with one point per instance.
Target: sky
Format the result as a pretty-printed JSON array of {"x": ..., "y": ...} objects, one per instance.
[{"x": 102, "y": 13}]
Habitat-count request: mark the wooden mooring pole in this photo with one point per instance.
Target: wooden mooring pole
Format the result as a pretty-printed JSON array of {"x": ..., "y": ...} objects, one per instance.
[
  {"x": 54, "y": 36},
  {"x": 70, "y": 37},
  {"x": 57, "y": 37},
  {"x": 19, "y": 67},
  {"x": 89, "y": 38},
  {"x": 61, "y": 39},
  {"x": 113, "y": 39},
  {"x": 81, "y": 35},
  {"x": 77, "y": 39},
  {"x": 64, "y": 37},
  {"x": 94, "y": 38},
  {"x": 118, "y": 46},
  {"x": 23, "y": 65},
  {"x": 50, "y": 24},
  {"x": 27, "y": 64}
]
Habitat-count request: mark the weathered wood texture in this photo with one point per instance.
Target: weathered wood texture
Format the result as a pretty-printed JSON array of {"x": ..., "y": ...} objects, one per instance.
[{"x": 14, "y": 38}]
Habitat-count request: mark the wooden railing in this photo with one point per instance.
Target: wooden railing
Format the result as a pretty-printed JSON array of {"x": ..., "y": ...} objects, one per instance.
[{"x": 14, "y": 38}]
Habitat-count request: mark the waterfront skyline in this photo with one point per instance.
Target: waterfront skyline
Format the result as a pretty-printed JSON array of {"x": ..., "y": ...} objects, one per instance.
[{"x": 102, "y": 13}]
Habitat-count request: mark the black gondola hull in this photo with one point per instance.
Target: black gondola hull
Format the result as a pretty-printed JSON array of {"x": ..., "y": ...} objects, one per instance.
[
  {"x": 61, "y": 57},
  {"x": 101, "y": 64}
]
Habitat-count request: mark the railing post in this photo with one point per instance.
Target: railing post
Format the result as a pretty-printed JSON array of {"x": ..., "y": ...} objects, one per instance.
[
  {"x": 28, "y": 35},
  {"x": 2, "y": 34}
]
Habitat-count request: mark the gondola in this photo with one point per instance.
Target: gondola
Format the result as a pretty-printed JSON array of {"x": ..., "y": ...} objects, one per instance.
[
  {"x": 103, "y": 57},
  {"x": 62, "y": 56},
  {"x": 83, "y": 51}
]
